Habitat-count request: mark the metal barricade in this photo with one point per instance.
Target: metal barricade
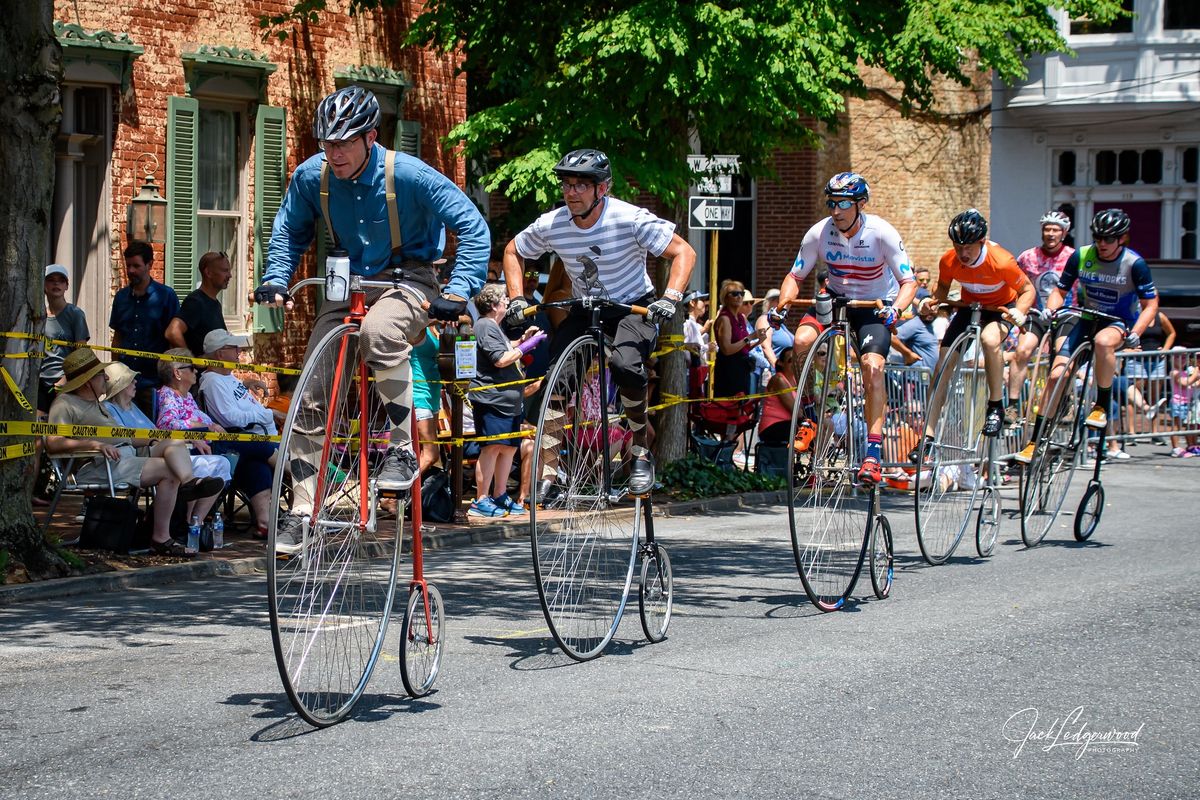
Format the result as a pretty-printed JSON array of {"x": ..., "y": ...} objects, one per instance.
[
  {"x": 1156, "y": 394},
  {"x": 904, "y": 421}
]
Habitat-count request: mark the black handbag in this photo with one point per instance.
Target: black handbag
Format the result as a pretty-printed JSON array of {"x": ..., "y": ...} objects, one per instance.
[
  {"x": 109, "y": 523},
  {"x": 437, "y": 501}
]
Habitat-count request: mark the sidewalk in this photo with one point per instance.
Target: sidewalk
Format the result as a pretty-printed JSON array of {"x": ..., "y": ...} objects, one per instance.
[{"x": 243, "y": 555}]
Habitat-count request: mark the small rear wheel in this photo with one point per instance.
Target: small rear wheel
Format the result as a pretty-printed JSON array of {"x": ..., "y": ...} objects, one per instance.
[
  {"x": 656, "y": 594},
  {"x": 421, "y": 640},
  {"x": 882, "y": 565},
  {"x": 1091, "y": 507},
  {"x": 987, "y": 523}
]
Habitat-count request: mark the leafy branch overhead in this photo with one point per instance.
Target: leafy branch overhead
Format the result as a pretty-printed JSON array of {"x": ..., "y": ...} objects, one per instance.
[{"x": 646, "y": 80}]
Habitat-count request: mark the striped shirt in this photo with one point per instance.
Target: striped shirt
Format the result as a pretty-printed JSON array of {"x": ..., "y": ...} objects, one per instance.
[
  {"x": 607, "y": 259},
  {"x": 870, "y": 265}
]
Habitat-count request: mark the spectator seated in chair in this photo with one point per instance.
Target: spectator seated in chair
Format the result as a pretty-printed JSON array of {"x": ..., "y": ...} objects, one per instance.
[
  {"x": 164, "y": 465},
  {"x": 118, "y": 402},
  {"x": 234, "y": 408}
]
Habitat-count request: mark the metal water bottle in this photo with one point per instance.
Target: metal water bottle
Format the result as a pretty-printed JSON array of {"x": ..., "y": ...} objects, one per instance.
[
  {"x": 824, "y": 308},
  {"x": 337, "y": 276}
]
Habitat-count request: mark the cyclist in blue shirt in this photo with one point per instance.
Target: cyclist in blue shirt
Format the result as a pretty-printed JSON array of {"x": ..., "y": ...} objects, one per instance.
[
  {"x": 358, "y": 220},
  {"x": 1113, "y": 280}
]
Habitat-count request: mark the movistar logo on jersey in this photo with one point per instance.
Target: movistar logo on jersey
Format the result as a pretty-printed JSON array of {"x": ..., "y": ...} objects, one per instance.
[{"x": 834, "y": 256}]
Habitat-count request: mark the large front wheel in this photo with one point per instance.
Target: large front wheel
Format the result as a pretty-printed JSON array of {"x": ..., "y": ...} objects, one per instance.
[
  {"x": 332, "y": 585},
  {"x": 583, "y": 527},
  {"x": 828, "y": 512},
  {"x": 949, "y": 469}
]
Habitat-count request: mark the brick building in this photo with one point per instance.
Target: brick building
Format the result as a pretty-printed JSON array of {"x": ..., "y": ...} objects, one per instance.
[{"x": 192, "y": 94}]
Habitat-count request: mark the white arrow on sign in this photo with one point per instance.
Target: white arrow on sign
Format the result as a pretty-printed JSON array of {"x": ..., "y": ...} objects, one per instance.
[{"x": 710, "y": 212}]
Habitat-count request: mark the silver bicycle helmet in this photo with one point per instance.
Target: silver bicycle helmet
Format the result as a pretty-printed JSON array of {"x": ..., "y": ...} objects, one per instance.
[
  {"x": 346, "y": 113},
  {"x": 1057, "y": 218}
]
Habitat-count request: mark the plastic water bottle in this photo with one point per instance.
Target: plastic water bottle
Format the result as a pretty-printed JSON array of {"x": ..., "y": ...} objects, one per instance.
[
  {"x": 193, "y": 542},
  {"x": 218, "y": 528}
]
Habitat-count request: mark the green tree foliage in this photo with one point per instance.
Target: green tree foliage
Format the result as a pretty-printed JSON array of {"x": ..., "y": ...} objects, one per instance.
[{"x": 646, "y": 80}]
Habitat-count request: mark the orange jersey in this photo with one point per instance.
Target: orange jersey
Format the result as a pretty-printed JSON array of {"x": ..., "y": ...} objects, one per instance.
[{"x": 997, "y": 281}]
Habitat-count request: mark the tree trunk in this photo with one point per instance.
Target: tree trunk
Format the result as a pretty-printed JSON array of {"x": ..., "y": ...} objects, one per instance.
[
  {"x": 30, "y": 110},
  {"x": 670, "y": 425}
]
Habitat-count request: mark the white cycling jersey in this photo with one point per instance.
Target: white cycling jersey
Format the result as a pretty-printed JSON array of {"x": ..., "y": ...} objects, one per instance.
[{"x": 870, "y": 265}]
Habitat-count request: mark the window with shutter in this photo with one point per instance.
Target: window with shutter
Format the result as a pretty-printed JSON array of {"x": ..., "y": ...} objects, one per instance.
[
  {"x": 270, "y": 183},
  {"x": 182, "y": 119}
]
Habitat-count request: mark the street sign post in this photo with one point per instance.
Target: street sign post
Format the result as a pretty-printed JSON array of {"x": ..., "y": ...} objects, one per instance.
[{"x": 710, "y": 213}]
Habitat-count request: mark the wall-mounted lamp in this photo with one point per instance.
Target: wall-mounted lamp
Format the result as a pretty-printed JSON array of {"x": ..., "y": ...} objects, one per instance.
[{"x": 147, "y": 213}]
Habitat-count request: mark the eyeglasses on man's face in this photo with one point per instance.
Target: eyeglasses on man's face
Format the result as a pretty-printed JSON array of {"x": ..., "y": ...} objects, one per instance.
[
  {"x": 338, "y": 147},
  {"x": 842, "y": 204},
  {"x": 575, "y": 188}
]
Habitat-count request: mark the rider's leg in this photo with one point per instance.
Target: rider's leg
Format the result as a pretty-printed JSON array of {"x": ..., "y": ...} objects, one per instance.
[
  {"x": 1107, "y": 341},
  {"x": 632, "y": 344},
  {"x": 991, "y": 339},
  {"x": 873, "y": 365},
  {"x": 1018, "y": 368}
]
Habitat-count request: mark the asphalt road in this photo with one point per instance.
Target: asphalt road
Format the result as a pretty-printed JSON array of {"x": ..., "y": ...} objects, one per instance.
[{"x": 973, "y": 680}]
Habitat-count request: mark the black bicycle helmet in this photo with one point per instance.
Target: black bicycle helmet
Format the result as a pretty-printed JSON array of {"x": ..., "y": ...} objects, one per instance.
[
  {"x": 968, "y": 227},
  {"x": 848, "y": 184},
  {"x": 1110, "y": 222},
  {"x": 585, "y": 163},
  {"x": 345, "y": 114}
]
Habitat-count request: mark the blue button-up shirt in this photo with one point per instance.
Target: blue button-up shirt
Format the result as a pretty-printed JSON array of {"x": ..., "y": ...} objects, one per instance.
[
  {"x": 428, "y": 203},
  {"x": 142, "y": 322}
]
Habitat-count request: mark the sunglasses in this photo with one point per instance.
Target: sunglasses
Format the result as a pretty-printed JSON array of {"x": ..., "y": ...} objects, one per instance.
[
  {"x": 1108, "y": 239},
  {"x": 842, "y": 204},
  {"x": 734, "y": 294}
]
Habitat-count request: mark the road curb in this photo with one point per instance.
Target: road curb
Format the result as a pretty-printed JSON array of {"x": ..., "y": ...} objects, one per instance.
[{"x": 213, "y": 568}]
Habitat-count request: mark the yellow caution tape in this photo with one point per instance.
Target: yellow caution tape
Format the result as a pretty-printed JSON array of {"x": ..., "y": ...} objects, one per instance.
[
  {"x": 204, "y": 362},
  {"x": 21, "y": 428},
  {"x": 21, "y": 450},
  {"x": 12, "y": 385}
]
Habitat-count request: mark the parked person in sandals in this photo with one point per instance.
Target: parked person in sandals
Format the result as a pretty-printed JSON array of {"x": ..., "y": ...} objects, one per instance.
[
  {"x": 498, "y": 408},
  {"x": 163, "y": 465},
  {"x": 201, "y": 312},
  {"x": 118, "y": 402}
]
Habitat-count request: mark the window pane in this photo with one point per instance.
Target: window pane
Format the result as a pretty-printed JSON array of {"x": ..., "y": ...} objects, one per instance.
[
  {"x": 1180, "y": 14},
  {"x": 1066, "y": 168},
  {"x": 220, "y": 234},
  {"x": 1084, "y": 26},
  {"x": 1069, "y": 210},
  {"x": 217, "y": 161},
  {"x": 1189, "y": 215},
  {"x": 1190, "y": 157},
  {"x": 1127, "y": 166},
  {"x": 1187, "y": 246},
  {"x": 1106, "y": 167},
  {"x": 1152, "y": 161}
]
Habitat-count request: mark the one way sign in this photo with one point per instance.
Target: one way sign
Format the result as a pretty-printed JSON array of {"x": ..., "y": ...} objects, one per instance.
[{"x": 710, "y": 213}]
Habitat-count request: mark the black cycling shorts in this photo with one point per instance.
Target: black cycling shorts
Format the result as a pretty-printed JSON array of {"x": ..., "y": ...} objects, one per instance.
[
  {"x": 870, "y": 334},
  {"x": 962, "y": 318}
]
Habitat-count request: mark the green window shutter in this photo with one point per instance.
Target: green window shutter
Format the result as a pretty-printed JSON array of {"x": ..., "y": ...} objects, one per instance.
[
  {"x": 270, "y": 182},
  {"x": 408, "y": 137},
  {"x": 183, "y": 116}
]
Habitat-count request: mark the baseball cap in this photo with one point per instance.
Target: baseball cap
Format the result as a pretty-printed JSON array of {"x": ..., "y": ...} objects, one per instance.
[
  {"x": 57, "y": 269},
  {"x": 216, "y": 339},
  {"x": 771, "y": 294},
  {"x": 690, "y": 296}
]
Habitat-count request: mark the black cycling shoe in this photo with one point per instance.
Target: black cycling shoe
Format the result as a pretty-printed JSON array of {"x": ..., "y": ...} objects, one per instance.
[
  {"x": 398, "y": 470},
  {"x": 641, "y": 475},
  {"x": 993, "y": 422},
  {"x": 914, "y": 455}
]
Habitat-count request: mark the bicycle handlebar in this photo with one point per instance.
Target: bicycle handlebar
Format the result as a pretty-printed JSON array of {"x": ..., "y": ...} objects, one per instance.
[
  {"x": 808, "y": 301},
  {"x": 368, "y": 283},
  {"x": 1090, "y": 312},
  {"x": 585, "y": 302}
]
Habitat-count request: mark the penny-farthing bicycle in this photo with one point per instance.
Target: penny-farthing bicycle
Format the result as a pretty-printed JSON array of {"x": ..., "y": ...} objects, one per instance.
[
  {"x": 1047, "y": 477},
  {"x": 836, "y": 525},
  {"x": 958, "y": 466},
  {"x": 585, "y": 527},
  {"x": 330, "y": 600}
]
